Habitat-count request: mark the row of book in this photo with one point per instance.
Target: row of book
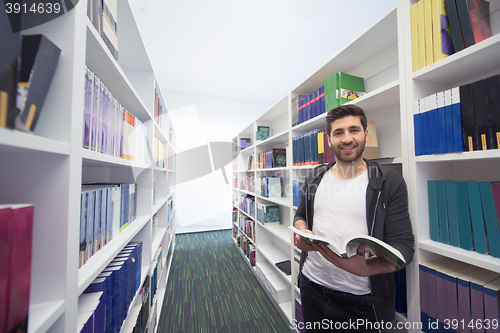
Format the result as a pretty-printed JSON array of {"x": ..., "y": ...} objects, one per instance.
[
  {"x": 465, "y": 214},
  {"x": 156, "y": 270},
  {"x": 118, "y": 283},
  {"x": 16, "y": 236},
  {"x": 296, "y": 191},
  {"x": 104, "y": 16},
  {"x": 247, "y": 204},
  {"x": 440, "y": 28},
  {"x": 268, "y": 187},
  {"x": 247, "y": 183},
  {"x": 271, "y": 158},
  {"x": 158, "y": 153},
  {"x": 244, "y": 244},
  {"x": 159, "y": 110},
  {"x": 170, "y": 209},
  {"x": 457, "y": 297},
  {"x": 142, "y": 314},
  {"x": 106, "y": 209},
  {"x": 308, "y": 106},
  {"x": 465, "y": 118},
  {"x": 108, "y": 127},
  {"x": 268, "y": 214},
  {"x": 309, "y": 148},
  {"x": 26, "y": 71},
  {"x": 247, "y": 226}
]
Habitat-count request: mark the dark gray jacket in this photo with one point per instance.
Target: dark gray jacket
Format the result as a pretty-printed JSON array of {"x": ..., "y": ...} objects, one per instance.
[{"x": 387, "y": 218}]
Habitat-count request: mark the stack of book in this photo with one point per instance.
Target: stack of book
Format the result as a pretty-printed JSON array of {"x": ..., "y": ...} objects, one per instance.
[
  {"x": 16, "y": 236},
  {"x": 271, "y": 158},
  {"x": 465, "y": 214},
  {"x": 117, "y": 283},
  {"x": 247, "y": 204},
  {"x": 247, "y": 183},
  {"x": 247, "y": 225},
  {"x": 295, "y": 109},
  {"x": 310, "y": 106},
  {"x": 440, "y": 28},
  {"x": 309, "y": 148},
  {"x": 106, "y": 209},
  {"x": 464, "y": 118},
  {"x": 341, "y": 88},
  {"x": 456, "y": 296}
]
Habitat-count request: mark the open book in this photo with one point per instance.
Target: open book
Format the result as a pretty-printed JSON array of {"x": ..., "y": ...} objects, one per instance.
[{"x": 350, "y": 246}]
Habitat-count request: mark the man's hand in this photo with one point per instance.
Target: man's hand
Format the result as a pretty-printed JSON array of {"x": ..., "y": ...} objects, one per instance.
[
  {"x": 357, "y": 264},
  {"x": 302, "y": 244}
]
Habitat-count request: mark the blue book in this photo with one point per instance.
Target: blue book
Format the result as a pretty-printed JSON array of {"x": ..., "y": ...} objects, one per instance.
[
  {"x": 101, "y": 284},
  {"x": 108, "y": 299},
  {"x": 476, "y": 214},
  {"x": 451, "y": 204},
  {"x": 109, "y": 214},
  {"x": 433, "y": 135},
  {"x": 433, "y": 210},
  {"x": 104, "y": 215},
  {"x": 416, "y": 127},
  {"x": 444, "y": 235},
  {"x": 490, "y": 218},
  {"x": 458, "y": 140},
  {"x": 464, "y": 221},
  {"x": 116, "y": 298},
  {"x": 97, "y": 221},
  {"x": 442, "y": 128},
  {"x": 90, "y": 224},
  {"x": 83, "y": 221},
  {"x": 448, "y": 111},
  {"x": 425, "y": 121}
]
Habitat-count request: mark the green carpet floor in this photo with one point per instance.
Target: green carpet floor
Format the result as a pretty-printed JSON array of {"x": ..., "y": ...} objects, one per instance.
[{"x": 212, "y": 289}]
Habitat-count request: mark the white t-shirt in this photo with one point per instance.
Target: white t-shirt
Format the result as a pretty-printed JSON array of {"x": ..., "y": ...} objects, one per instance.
[{"x": 339, "y": 212}]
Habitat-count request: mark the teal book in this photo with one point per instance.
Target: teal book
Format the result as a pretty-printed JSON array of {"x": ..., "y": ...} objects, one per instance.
[
  {"x": 490, "y": 218},
  {"x": 350, "y": 87},
  {"x": 476, "y": 214},
  {"x": 444, "y": 234},
  {"x": 433, "y": 210},
  {"x": 464, "y": 222},
  {"x": 451, "y": 203}
]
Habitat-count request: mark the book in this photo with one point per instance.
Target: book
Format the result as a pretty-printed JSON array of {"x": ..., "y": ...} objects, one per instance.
[
  {"x": 94, "y": 13},
  {"x": 417, "y": 134},
  {"x": 495, "y": 187},
  {"x": 9, "y": 39},
  {"x": 490, "y": 218},
  {"x": 464, "y": 221},
  {"x": 480, "y": 103},
  {"x": 456, "y": 31},
  {"x": 433, "y": 210},
  {"x": 444, "y": 233},
  {"x": 493, "y": 87},
  {"x": 452, "y": 208},
  {"x": 285, "y": 267},
  {"x": 414, "y": 37},
  {"x": 479, "y": 15},
  {"x": 5, "y": 215},
  {"x": 349, "y": 246},
  {"x": 110, "y": 26},
  {"x": 279, "y": 157},
  {"x": 443, "y": 130},
  {"x": 477, "y": 295},
  {"x": 465, "y": 22},
  {"x": 350, "y": 87},
  {"x": 428, "y": 29},
  {"x": 19, "y": 266},
  {"x": 458, "y": 138},
  {"x": 491, "y": 291},
  {"x": 421, "y": 34},
  {"x": 263, "y": 133},
  {"x": 468, "y": 120},
  {"x": 448, "y": 115},
  {"x": 441, "y": 36},
  {"x": 477, "y": 221},
  {"x": 331, "y": 86},
  {"x": 39, "y": 58}
]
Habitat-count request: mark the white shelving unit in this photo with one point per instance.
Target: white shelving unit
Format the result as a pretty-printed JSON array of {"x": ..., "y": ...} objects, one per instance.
[
  {"x": 382, "y": 55},
  {"x": 48, "y": 167}
]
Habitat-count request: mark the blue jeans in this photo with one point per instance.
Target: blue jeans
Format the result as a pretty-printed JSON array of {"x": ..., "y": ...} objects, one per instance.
[{"x": 324, "y": 310}]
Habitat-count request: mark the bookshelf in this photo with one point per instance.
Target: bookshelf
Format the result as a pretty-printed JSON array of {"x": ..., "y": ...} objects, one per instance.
[
  {"x": 47, "y": 168},
  {"x": 382, "y": 55}
]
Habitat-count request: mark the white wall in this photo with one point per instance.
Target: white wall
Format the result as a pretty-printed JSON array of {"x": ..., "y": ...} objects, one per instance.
[{"x": 204, "y": 203}]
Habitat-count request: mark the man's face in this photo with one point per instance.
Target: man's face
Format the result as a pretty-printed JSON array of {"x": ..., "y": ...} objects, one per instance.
[{"x": 347, "y": 138}]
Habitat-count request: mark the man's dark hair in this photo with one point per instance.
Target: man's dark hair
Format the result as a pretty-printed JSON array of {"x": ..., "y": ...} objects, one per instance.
[{"x": 343, "y": 111}]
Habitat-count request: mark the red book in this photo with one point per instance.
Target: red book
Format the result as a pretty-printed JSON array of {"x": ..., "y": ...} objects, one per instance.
[
  {"x": 21, "y": 231},
  {"x": 496, "y": 196},
  {"x": 5, "y": 213}
]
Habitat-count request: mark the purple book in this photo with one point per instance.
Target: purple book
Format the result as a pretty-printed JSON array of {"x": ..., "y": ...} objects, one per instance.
[
  {"x": 476, "y": 299},
  {"x": 424, "y": 295},
  {"x": 463, "y": 291},
  {"x": 442, "y": 300},
  {"x": 87, "y": 107},
  {"x": 101, "y": 117},
  {"x": 95, "y": 112},
  {"x": 496, "y": 196},
  {"x": 5, "y": 215},
  {"x": 451, "y": 291},
  {"x": 491, "y": 300}
]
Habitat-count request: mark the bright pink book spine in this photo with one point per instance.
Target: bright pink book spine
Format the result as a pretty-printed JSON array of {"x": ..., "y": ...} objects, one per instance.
[
  {"x": 21, "y": 232},
  {"x": 5, "y": 214}
]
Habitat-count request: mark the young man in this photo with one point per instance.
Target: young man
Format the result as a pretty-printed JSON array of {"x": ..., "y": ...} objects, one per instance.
[{"x": 343, "y": 198}]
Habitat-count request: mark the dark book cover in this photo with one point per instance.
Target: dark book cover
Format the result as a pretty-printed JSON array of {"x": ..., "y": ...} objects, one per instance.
[
  {"x": 456, "y": 31},
  {"x": 468, "y": 125},
  {"x": 285, "y": 267},
  {"x": 9, "y": 41},
  {"x": 481, "y": 114},
  {"x": 479, "y": 13},
  {"x": 493, "y": 91},
  {"x": 39, "y": 58},
  {"x": 465, "y": 22}
]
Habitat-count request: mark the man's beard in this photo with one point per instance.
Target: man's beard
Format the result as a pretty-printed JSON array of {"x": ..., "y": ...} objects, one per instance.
[{"x": 353, "y": 156}]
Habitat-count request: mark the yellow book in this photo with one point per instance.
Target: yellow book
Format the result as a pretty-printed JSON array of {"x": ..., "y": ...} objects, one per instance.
[
  {"x": 429, "y": 45},
  {"x": 421, "y": 34},
  {"x": 414, "y": 37},
  {"x": 443, "y": 46}
]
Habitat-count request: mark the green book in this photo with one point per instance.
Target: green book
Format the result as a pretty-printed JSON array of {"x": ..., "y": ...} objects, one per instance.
[
  {"x": 464, "y": 216},
  {"x": 350, "y": 87},
  {"x": 331, "y": 92},
  {"x": 433, "y": 210},
  {"x": 476, "y": 215},
  {"x": 451, "y": 204},
  {"x": 490, "y": 218},
  {"x": 262, "y": 133},
  {"x": 444, "y": 234}
]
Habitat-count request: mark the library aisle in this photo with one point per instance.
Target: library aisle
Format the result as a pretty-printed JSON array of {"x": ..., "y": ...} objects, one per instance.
[{"x": 212, "y": 289}]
